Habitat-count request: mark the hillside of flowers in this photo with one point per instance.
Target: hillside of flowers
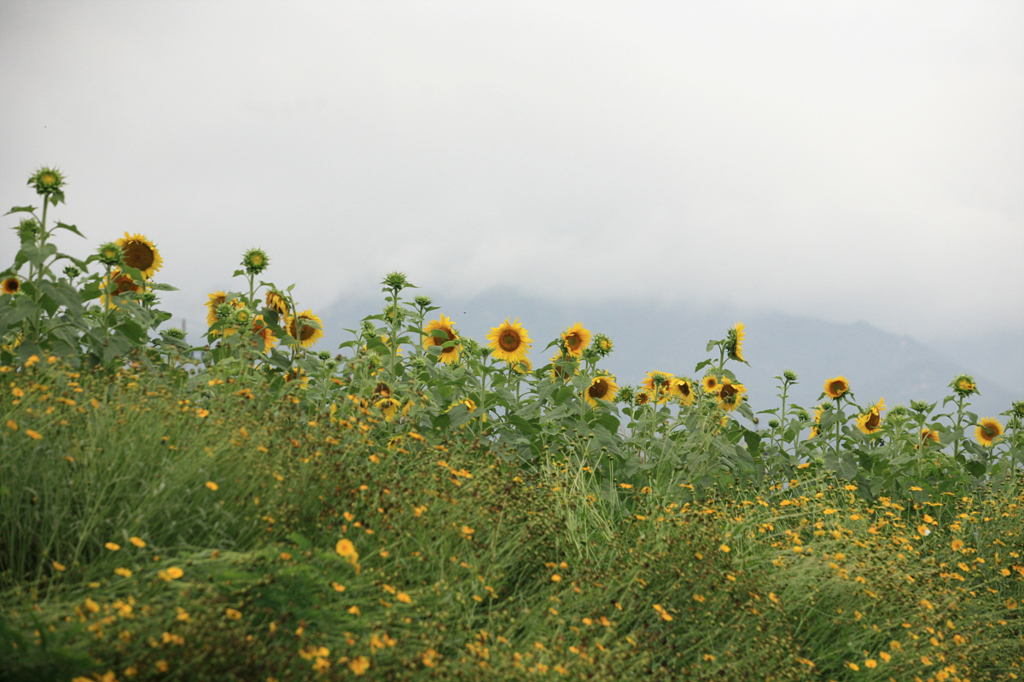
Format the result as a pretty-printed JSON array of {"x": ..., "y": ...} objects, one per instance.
[{"x": 418, "y": 505}]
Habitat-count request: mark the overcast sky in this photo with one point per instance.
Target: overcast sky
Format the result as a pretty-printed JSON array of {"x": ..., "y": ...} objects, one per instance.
[{"x": 845, "y": 160}]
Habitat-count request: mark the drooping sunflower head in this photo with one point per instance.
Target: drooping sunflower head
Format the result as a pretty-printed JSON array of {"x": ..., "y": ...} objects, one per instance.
[
  {"x": 306, "y": 328},
  {"x": 510, "y": 341},
  {"x": 709, "y": 383},
  {"x": 836, "y": 387},
  {"x": 964, "y": 385},
  {"x": 264, "y": 333},
  {"x": 683, "y": 388},
  {"x": 871, "y": 421},
  {"x": 255, "y": 261},
  {"x": 10, "y": 285},
  {"x": 277, "y": 303},
  {"x": 988, "y": 430},
  {"x": 575, "y": 340},
  {"x": 734, "y": 343},
  {"x": 929, "y": 435},
  {"x": 389, "y": 406},
  {"x": 442, "y": 332},
  {"x": 602, "y": 387},
  {"x": 730, "y": 395},
  {"x": 141, "y": 254}
]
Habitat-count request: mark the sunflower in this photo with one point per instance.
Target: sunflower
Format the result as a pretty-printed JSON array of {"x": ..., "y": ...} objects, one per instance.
[
  {"x": 601, "y": 387},
  {"x": 297, "y": 374},
  {"x": 560, "y": 367},
  {"x": 964, "y": 385},
  {"x": 730, "y": 395},
  {"x": 837, "y": 387},
  {"x": 215, "y": 299},
  {"x": 643, "y": 396},
  {"x": 449, "y": 353},
  {"x": 684, "y": 389},
  {"x": 389, "y": 406},
  {"x": 522, "y": 367},
  {"x": 871, "y": 421},
  {"x": 141, "y": 254},
  {"x": 734, "y": 343},
  {"x": 264, "y": 332},
  {"x": 816, "y": 430},
  {"x": 11, "y": 285},
  {"x": 988, "y": 430},
  {"x": 709, "y": 383},
  {"x": 510, "y": 342},
  {"x": 382, "y": 390},
  {"x": 929, "y": 435},
  {"x": 277, "y": 303},
  {"x": 123, "y": 283},
  {"x": 659, "y": 384},
  {"x": 576, "y": 339},
  {"x": 312, "y": 328}
]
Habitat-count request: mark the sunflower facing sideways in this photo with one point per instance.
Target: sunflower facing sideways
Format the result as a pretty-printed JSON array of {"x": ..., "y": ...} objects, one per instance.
[
  {"x": 264, "y": 332},
  {"x": 871, "y": 421},
  {"x": 510, "y": 341},
  {"x": 312, "y": 328},
  {"x": 123, "y": 284},
  {"x": 988, "y": 430},
  {"x": 684, "y": 389},
  {"x": 141, "y": 254},
  {"x": 836, "y": 387},
  {"x": 440, "y": 332},
  {"x": 730, "y": 395},
  {"x": 602, "y": 387},
  {"x": 576, "y": 339},
  {"x": 277, "y": 303},
  {"x": 734, "y": 343}
]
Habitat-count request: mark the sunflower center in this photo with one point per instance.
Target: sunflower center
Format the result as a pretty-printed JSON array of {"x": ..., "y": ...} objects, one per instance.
[
  {"x": 509, "y": 341},
  {"x": 837, "y": 388},
  {"x": 124, "y": 284},
  {"x": 873, "y": 419},
  {"x": 684, "y": 389},
  {"x": 138, "y": 255},
  {"x": 727, "y": 392},
  {"x": 572, "y": 341},
  {"x": 599, "y": 389}
]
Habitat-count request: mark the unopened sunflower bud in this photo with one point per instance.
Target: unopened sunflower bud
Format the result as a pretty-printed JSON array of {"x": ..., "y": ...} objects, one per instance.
[
  {"x": 964, "y": 385},
  {"x": 423, "y": 301},
  {"x": 789, "y": 375},
  {"x": 626, "y": 395},
  {"x": 324, "y": 355},
  {"x": 110, "y": 254},
  {"x": 71, "y": 271},
  {"x": 28, "y": 229},
  {"x": 773, "y": 424},
  {"x": 175, "y": 333},
  {"x": 255, "y": 261},
  {"x": 395, "y": 281},
  {"x": 602, "y": 344},
  {"x": 47, "y": 181},
  {"x": 242, "y": 316},
  {"x": 224, "y": 311}
]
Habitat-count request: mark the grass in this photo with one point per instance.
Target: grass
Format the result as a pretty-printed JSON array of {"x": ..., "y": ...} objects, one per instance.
[{"x": 465, "y": 563}]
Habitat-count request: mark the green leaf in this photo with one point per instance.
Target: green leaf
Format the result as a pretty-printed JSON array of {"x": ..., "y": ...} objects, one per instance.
[
  {"x": 21, "y": 209},
  {"x": 70, "y": 228},
  {"x": 701, "y": 365},
  {"x": 975, "y": 468}
]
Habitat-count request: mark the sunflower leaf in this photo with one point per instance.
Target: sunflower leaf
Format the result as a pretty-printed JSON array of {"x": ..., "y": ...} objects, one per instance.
[
  {"x": 70, "y": 228},
  {"x": 21, "y": 209}
]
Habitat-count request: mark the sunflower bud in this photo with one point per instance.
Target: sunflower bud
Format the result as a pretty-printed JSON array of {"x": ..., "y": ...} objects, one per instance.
[
  {"x": 773, "y": 424},
  {"x": 789, "y": 375},
  {"x": 324, "y": 355},
  {"x": 147, "y": 298},
  {"x": 802, "y": 414},
  {"x": 369, "y": 330},
  {"x": 255, "y": 261},
  {"x": 1018, "y": 408},
  {"x": 71, "y": 271},
  {"x": 423, "y": 301},
  {"x": 175, "y": 333},
  {"x": 395, "y": 281},
  {"x": 242, "y": 316},
  {"x": 921, "y": 406},
  {"x": 111, "y": 254},
  {"x": 964, "y": 385},
  {"x": 224, "y": 311},
  {"x": 28, "y": 230},
  {"x": 395, "y": 313},
  {"x": 602, "y": 344},
  {"x": 898, "y": 411},
  {"x": 626, "y": 395},
  {"x": 47, "y": 181}
]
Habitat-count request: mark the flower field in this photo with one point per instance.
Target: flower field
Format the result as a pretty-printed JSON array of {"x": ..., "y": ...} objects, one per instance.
[{"x": 415, "y": 505}]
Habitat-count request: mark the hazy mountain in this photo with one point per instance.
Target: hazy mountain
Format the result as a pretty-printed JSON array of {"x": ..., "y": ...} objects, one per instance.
[{"x": 649, "y": 336}]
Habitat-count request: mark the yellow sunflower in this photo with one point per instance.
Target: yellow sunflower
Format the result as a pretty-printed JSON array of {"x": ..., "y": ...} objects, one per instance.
[
  {"x": 141, "y": 254},
  {"x": 123, "y": 284},
  {"x": 988, "y": 430},
  {"x": 215, "y": 299},
  {"x": 450, "y": 354},
  {"x": 601, "y": 387},
  {"x": 643, "y": 396},
  {"x": 730, "y": 395},
  {"x": 871, "y": 421},
  {"x": 297, "y": 374},
  {"x": 389, "y": 406},
  {"x": 816, "y": 430},
  {"x": 312, "y": 328},
  {"x": 684, "y": 389},
  {"x": 734, "y": 343},
  {"x": 523, "y": 366},
  {"x": 659, "y": 384},
  {"x": 510, "y": 342},
  {"x": 709, "y": 383},
  {"x": 264, "y": 332},
  {"x": 560, "y": 367},
  {"x": 836, "y": 387},
  {"x": 929, "y": 435},
  {"x": 277, "y": 303},
  {"x": 382, "y": 390},
  {"x": 576, "y": 340},
  {"x": 11, "y": 285}
]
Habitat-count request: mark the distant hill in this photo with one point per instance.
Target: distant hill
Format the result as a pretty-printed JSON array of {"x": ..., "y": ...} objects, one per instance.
[{"x": 649, "y": 336}]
